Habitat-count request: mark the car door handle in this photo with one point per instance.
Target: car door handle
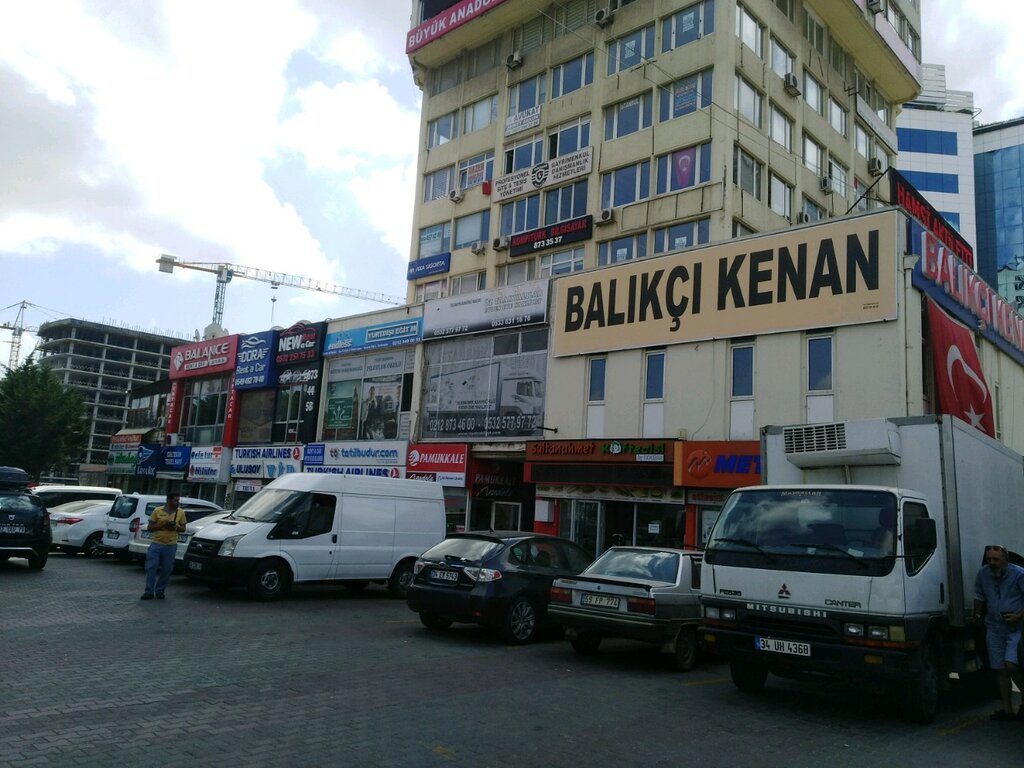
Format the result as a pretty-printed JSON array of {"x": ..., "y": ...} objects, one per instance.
[{"x": 334, "y": 538}]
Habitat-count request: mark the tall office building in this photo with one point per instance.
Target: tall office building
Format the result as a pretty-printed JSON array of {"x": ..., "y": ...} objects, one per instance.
[
  {"x": 104, "y": 363},
  {"x": 999, "y": 195},
  {"x": 936, "y": 149}
]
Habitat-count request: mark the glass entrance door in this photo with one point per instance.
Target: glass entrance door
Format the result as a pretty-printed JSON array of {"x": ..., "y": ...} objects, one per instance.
[
  {"x": 579, "y": 521},
  {"x": 506, "y": 516}
]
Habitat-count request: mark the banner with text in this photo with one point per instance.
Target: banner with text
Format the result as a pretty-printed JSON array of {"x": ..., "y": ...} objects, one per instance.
[
  {"x": 494, "y": 310},
  {"x": 546, "y": 174}
]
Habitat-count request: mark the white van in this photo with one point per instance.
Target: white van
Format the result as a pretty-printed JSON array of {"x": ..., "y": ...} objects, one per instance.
[{"x": 312, "y": 527}]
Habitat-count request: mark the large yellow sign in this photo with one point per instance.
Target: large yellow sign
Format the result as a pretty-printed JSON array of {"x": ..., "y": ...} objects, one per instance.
[{"x": 838, "y": 273}]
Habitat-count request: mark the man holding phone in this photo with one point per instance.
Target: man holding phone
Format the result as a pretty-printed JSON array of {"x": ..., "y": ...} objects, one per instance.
[
  {"x": 165, "y": 523},
  {"x": 999, "y": 598}
]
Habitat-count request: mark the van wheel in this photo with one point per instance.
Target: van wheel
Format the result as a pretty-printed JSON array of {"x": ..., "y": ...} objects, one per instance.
[
  {"x": 93, "y": 546},
  {"x": 270, "y": 580},
  {"x": 401, "y": 578},
  {"x": 37, "y": 560},
  {"x": 685, "y": 655}
]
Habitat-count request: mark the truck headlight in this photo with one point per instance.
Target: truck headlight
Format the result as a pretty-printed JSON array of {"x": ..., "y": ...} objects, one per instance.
[
  {"x": 712, "y": 612},
  {"x": 729, "y": 614},
  {"x": 227, "y": 547},
  {"x": 853, "y": 630}
]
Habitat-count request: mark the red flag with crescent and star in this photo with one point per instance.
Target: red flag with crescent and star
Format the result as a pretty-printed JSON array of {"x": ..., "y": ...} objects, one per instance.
[{"x": 959, "y": 381}]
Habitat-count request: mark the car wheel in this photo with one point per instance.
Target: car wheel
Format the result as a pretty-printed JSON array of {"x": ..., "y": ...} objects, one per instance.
[
  {"x": 586, "y": 643},
  {"x": 93, "y": 546},
  {"x": 520, "y": 622},
  {"x": 37, "y": 560},
  {"x": 270, "y": 580},
  {"x": 434, "y": 622},
  {"x": 400, "y": 579},
  {"x": 355, "y": 586},
  {"x": 685, "y": 655},
  {"x": 747, "y": 676}
]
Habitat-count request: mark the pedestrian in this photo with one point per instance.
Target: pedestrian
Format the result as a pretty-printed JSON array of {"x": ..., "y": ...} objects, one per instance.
[
  {"x": 999, "y": 598},
  {"x": 166, "y": 523}
]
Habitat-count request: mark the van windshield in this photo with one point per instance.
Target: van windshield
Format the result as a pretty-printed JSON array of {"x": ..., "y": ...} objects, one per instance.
[{"x": 269, "y": 505}]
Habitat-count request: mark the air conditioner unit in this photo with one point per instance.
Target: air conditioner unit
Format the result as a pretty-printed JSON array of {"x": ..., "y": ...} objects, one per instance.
[
  {"x": 514, "y": 60},
  {"x": 875, "y": 166},
  {"x": 803, "y": 217},
  {"x": 604, "y": 17},
  {"x": 875, "y": 6},
  {"x": 827, "y": 185},
  {"x": 791, "y": 84},
  {"x": 500, "y": 243},
  {"x": 456, "y": 195},
  {"x": 478, "y": 247},
  {"x": 606, "y": 216}
]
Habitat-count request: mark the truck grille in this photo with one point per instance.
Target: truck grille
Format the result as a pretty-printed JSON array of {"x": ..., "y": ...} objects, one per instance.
[
  {"x": 203, "y": 547},
  {"x": 814, "y": 437},
  {"x": 786, "y": 628}
]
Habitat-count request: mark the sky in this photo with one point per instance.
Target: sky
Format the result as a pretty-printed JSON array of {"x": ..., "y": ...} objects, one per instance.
[{"x": 284, "y": 140}]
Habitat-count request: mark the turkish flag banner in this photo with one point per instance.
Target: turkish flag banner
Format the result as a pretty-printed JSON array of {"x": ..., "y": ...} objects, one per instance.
[{"x": 959, "y": 382}]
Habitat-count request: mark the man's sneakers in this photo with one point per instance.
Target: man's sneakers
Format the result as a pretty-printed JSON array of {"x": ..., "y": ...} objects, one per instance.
[{"x": 147, "y": 596}]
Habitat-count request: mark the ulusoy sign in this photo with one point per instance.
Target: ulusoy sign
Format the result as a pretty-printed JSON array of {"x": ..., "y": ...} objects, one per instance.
[
  {"x": 444, "y": 22},
  {"x": 266, "y": 461},
  {"x": 508, "y": 307},
  {"x": 254, "y": 365},
  {"x": 552, "y": 236},
  {"x": 544, "y": 174},
  {"x": 302, "y": 343},
  {"x": 202, "y": 358}
]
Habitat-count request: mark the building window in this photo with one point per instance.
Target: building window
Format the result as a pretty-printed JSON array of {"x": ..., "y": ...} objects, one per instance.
[
  {"x": 746, "y": 172},
  {"x": 472, "y": 228},
  {"x": 476, "y": 170},
  {"x": 622, "y": 249},
  {"x": 561, "y": 263},
  {"x": 780, "y": 196},
  {"x": 569, "y": 137},
  {"x": 781, "y": 128},
  {"x": 819, "y": 379},
  {"x": 480, "y": 114},
  {"x": 786, "y": 6},
  {"x": 626, "y": 185},
  {"x": 468, "y": 283},
  {"x": 839, "y": 175},
  {"x": 685, "y": 96},
  {"x": 446, "y": 77},
  {"x": 291, "y": 402},
  {"x": 204, "y": 407},
  {"x": 684, "y": 168},
  {"x": 437, "y": 184},
  {"x": 783, "y": 61},
  {"x": 435, "y": 289},
  {"x": 928, "y": 141},
  {"x": 811, "y": 210},
  {"x": 628, "y": 116},
  {"x": 573, "y": 75},
  {"x": 837, "y": 57},
  {"x": 812, "y": 155},
  {"x": 814, "y": 31},
  {"x": 442, "y": 130},
  {"x": 680, "y": 236},
  {"x": 527, "y": 94},
  {"x": 564, "y": 203},
  {"x": 927, "y": 181},
  {"x": 741, "y": 391},
  {"x": 863, "y": 142},
  {"x": 483, "y": 59},
  {"x": 596, "y": 367},
  {"x": 515, "y": 273},
  {"x": 520, "y": 215},
  {"x": 688, "y": 25},
  {"x": 837, "y": 116},
  {"x": 813, "y": 93},
  {"x": 654, "y": 394},
  {"x": 860, "y": 196},
  {"x": 629, "y": 50},
  {"x": 524, "y": 154},
  {"x": 748, "y": 101},
  {"x": 739, "y": 229},
  {"x": 435, "y": 239},
  {"x": 749, "y": 30}
]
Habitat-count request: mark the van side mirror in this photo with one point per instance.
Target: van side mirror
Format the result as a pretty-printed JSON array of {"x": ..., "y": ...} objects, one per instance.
[{"x": 924, "y": 534}]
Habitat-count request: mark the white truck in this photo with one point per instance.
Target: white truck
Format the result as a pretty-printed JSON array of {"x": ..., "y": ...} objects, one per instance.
[{"x": 857, "y": 557}]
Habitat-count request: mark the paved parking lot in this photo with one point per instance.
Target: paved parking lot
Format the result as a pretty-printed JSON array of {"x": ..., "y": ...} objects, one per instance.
[{"x": 92, "y": 676}]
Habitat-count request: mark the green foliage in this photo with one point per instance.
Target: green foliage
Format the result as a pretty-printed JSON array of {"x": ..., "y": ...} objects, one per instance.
[{"x": 41, "y": 421}]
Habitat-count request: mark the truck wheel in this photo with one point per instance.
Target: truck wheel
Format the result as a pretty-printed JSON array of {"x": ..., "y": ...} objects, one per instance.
[
  {"x": 434, "y": 622},
  {"x": 400, "y": 579},
  {"x": 685, "y": 655},
  {"x": 747, "y": 676},
  {"x": 270, "y": 580},
  {"x": 93, "y": 546},
  {"x": 921, "y": 696},
  {"x": 520, "y": 624},
  {"x": 586, "y": 643},
  {"x": 37, "y": 560}
]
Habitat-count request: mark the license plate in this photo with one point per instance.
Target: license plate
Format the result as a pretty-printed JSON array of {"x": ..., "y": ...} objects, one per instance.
[
  {"x": 600, "y": 601},
  {"x": 142, "y": 535},
  {"x": 790, "y": 647},
  {"x": 194, "y": 566},
  {"x": 451, "y": 576},
  {"x": 113, "y": 534},
  {"x": 183, "y": 538},
  {"x": 13, "y": 529}
]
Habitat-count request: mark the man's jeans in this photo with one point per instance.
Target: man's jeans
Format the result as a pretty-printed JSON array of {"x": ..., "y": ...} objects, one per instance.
[{"x": 159, "y": 564}]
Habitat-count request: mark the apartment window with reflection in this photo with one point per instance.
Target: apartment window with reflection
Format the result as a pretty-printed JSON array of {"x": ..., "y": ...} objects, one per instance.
[
  {"x": 837, "y": 57},
  {"x": 622, "y": 249},
  {"x": 683, "y": 169},
  {"x": 442, "y": 130},
  {"x": 573, "y": 75},
  {"x": 780, "y": 196},
  {"x": 446, "y": 77},
  {"x": 475, "y": 170},
  {"x": 837, "y": 116},
  {"x": 437, "y": 184},
  {"x": 524, "y": 153},
  {"x": 515, "y": 273},
  {"x": 470, "y": 282},
  {"x": 520, "y": 215},
  {"x": 204, "y": 409},
  {"x": 748, "y": 101},
  {"x": 739, "y": 229},
  {"x": 631, "y": 49},
  {"x": 435, "y": 239},
  {"x": 527, "y": 94},
  {"x": 684, "y": 235},
  {"x": 654, "y": 394},
  {"x": 749, "y": 30},
  {"x": 596, "y": 367},
  {"x": 561, "y": 263},
  {"x": 786, "y": 6},
  {"x": 472, "y": 228},
  {"x": 863, "y": 142},
  {"x": 820, "y": 407},
  {"x": 781, "y": 128},
  {"x": 746, "y": 172},
  {"x": 480, "y": 114},
  {"x": 626, "y": 185},
  {"x": 813, "y": 93},
  {"x": 839, "y": 175},
  {"x": 812, "y": 210},
  {"x": 686, "y": 26},
  {"x": 628, "y": 116},
  {"x": 564, "y": 203},
  {"x": 814, "y": 31},
  {"x": 862, "y": 201},
  {"x": 434, "y": 289},
  {"x": 741, "y": 391},
  {"x": 783, "y": 61},
  {"x": 686, "y": 95},
  {"x": 812, "y": 154},
  {"x": 569, "y": 137}
]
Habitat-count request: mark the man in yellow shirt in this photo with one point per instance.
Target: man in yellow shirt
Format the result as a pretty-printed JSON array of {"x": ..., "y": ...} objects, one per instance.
[{"x": 165, "y": 523}]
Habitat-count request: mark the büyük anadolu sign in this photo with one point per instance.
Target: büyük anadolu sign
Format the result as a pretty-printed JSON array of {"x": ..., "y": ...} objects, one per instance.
[
  {"x": 444, "y": 22},
  {"x": 839, "y": 273}
]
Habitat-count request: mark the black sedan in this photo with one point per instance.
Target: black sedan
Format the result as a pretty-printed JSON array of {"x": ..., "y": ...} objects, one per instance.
[
  {"x": 640, "y": 593},
  {"x": 498, "y": 579}
]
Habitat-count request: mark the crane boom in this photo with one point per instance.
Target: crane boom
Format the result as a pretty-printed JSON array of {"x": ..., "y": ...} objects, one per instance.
[{"x": 225, "y": 272}]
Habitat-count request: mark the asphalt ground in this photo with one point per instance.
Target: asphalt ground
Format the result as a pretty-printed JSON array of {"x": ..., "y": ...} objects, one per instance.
[{"x": 92, "y": 676}]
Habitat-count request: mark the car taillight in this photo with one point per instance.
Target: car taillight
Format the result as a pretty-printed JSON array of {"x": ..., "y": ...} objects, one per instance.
[
  {"x": 640, "y": 605},
  {"x": 134, "y": 525},
  {"x": 560, "y": 595},
  {"x": 68, "y": 520},
  {"x": 482, "y": 574}
]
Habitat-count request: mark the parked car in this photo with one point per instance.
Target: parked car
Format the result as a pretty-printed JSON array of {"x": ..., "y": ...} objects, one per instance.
[
  {"x": 649, "y": 594},
  {"x": 78, "y": 526},
  {"x": 131, "y": 512},
  {"x": 498, "y": 579},
  {"x": 55, "y": 495},
  {"x": 196, "y": 520},
  {"x": 24, "y": 521}
]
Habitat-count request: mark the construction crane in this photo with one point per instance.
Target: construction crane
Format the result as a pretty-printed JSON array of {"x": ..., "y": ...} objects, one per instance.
[
  {"x": 225, "y": 272},
  {"x": 16, "y": 329}
]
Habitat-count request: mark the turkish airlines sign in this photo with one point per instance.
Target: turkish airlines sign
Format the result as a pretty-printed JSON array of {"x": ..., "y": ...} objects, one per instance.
[
  {"x": 202, "y": 358},
  {"x": 443, "y": 23}
]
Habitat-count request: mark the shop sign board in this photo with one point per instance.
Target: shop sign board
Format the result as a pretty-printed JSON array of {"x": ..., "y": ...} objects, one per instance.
[
  {"x": 382, "y": 336},
  {"x": 523, "y": 120},
  {"x": 438, "y": 264},
  {"x": 163, "y": 461},
  {"x": 717, "y": 463},
  {"x": 601, "y": 451},
  {"x": 266, "y": 462},
  {"x": 552, "y": 236},
  {"x": 254, "y": 363},
  {"x": 498, "y": 309},
  {"x": 202, "y": 358},
  {"x": 903, "y": 194},
  {"x": 209, "y": 464},
  {"x": 302, "y": 343},
  {"x": 123, "y": 454},
  {"x": 546, "y": 174},
  {"x": 443, "y": 463},
  {"x": 364, "y": 453},
  {"x": 450, "y": 18}
]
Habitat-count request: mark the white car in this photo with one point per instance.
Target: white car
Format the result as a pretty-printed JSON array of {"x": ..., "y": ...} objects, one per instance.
[
  {"x": 78, "y": 526},
  {"x": 54, "y": 495},
  {"x": 197, "y": 519},
  {"x": 130, "y": 513}
]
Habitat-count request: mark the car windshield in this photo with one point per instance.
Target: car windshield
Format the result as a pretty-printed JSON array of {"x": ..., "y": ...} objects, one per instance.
[
  {"x": 124, "y": 507},
  {"x": 463, "y": 548},
  {"x": 636, "y": 564},
  {"x": 269, "y": 505}
]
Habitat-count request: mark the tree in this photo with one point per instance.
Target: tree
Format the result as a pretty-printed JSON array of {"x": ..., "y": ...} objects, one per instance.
[{"x": 41, "y": 421}]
